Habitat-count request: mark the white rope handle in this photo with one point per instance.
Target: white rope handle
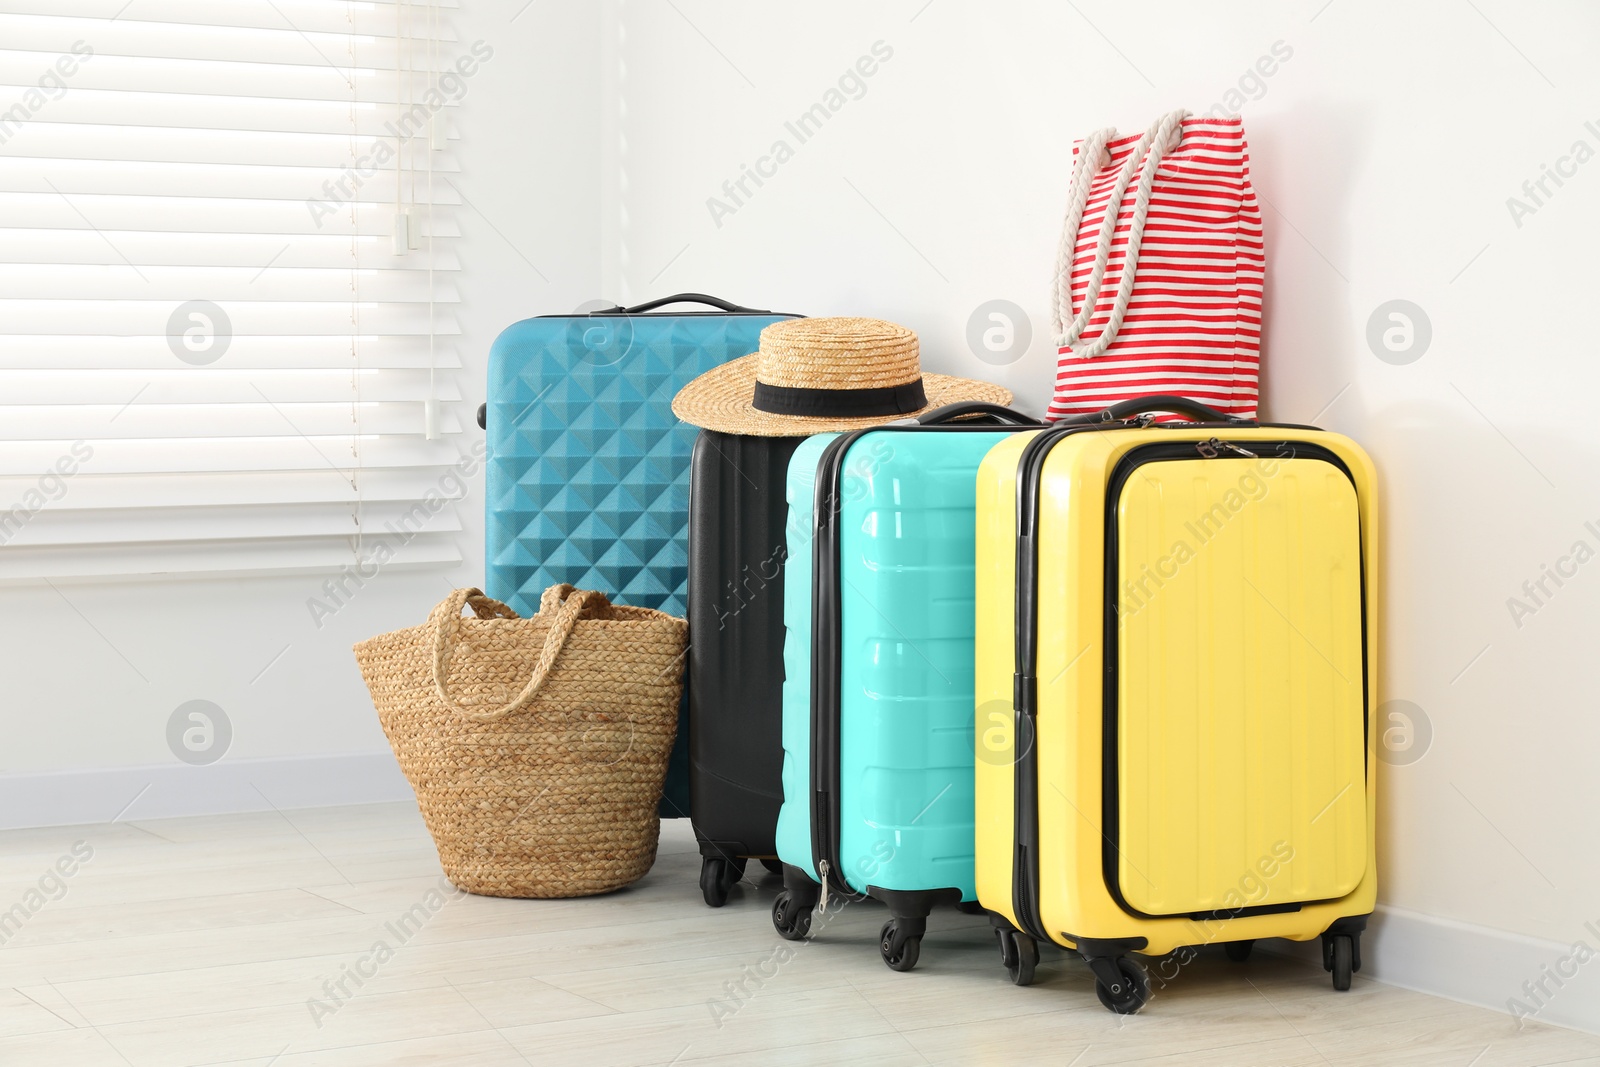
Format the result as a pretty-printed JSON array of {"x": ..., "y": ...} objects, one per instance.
[
  {"x": 1162, "y": 137},
  {"x": 1092, "y": 158}
]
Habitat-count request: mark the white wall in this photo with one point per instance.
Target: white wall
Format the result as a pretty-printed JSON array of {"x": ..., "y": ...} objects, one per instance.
[
  {"x": 1384, "y": 149},
  {"x": 93, "y": 671}
]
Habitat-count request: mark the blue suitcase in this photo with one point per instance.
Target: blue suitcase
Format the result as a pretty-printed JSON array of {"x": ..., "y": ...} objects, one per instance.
[
  {"x": 878, "y": 670},
  {"x": 588, "y": 469}
]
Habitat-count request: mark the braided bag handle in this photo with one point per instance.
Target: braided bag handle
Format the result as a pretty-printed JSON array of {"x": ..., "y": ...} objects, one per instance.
[
  {"x": 1162, "y": 137},
  {"x": 563, "y": 601}
]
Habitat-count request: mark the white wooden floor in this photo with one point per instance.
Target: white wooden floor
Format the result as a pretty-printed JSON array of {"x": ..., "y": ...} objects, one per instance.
[{"x": 209, "y": 940}]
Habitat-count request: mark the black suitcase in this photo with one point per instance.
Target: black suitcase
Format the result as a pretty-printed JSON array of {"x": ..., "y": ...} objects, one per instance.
[{"x": 737, "y": 549}]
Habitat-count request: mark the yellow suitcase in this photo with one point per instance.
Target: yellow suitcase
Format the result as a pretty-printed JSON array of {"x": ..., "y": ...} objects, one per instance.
[{"x": 1174, "y": 675}]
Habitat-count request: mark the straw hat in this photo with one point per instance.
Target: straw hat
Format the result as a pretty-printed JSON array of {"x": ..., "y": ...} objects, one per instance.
[{"x": 815, "y": 375}]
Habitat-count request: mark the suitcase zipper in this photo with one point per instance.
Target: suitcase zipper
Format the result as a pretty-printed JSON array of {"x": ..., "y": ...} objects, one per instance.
[
  {"x": 825, "y": 672},
  {"x": 1024, "y": 771},
  {"x": 1214, "y": 448}
]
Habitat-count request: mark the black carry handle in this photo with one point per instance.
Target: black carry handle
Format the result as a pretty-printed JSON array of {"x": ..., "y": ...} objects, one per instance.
[
  {"x": 684, "y": 298},
  {"x": 965, "y": 410},
  {"x": 1149, "y": 405},
  {"x": 483, "y": 416}
]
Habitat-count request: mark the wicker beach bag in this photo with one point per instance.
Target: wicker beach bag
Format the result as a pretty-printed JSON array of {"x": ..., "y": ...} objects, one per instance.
[{"x": 537, "y": 747}]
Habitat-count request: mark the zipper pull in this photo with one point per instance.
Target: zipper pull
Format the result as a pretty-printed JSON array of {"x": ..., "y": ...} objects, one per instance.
[
  {"x": 1213, "y": 448},
  {"x": 822, "y": 869}
]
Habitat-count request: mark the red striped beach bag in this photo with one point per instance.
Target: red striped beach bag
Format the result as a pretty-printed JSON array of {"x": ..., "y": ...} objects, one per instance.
[{"x": 1158, "y": 277}]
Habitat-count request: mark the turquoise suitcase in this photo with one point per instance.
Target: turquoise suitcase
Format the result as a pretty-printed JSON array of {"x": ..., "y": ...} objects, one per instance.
[{"x": 878, "y": 670}]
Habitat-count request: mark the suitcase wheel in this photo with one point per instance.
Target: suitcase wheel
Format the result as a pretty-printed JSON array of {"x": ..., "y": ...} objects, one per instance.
[
  {"x": 792, "y": 921},
  {"x": 1339, "y": 957},
  {"x": 1008, "y": 947},
  {"x": 1120, "y": 984},
  {"x": 1238, "y": 951},
  {"x": 717, "y": 876},
  {"x": 1019, "y": 953},
  {"x": 773, "y": 865},
  {"x": 899, "y": 948}
]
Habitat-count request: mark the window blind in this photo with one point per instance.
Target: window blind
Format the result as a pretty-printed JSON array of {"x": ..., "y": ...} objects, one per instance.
[{"x": 227, "y": 286}]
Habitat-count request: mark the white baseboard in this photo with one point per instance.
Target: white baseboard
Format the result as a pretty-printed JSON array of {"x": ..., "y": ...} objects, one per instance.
[
  {"x": 70, "y": 798},
  {"x": 1476, "y": 965}
]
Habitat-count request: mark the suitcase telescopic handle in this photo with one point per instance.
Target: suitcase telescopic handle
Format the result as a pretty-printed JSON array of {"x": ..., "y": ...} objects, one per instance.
[
  {"x": 684, "y": 298},
  {"x": 1150, "y": 405},
  {"x": 971, "y": 409}
]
